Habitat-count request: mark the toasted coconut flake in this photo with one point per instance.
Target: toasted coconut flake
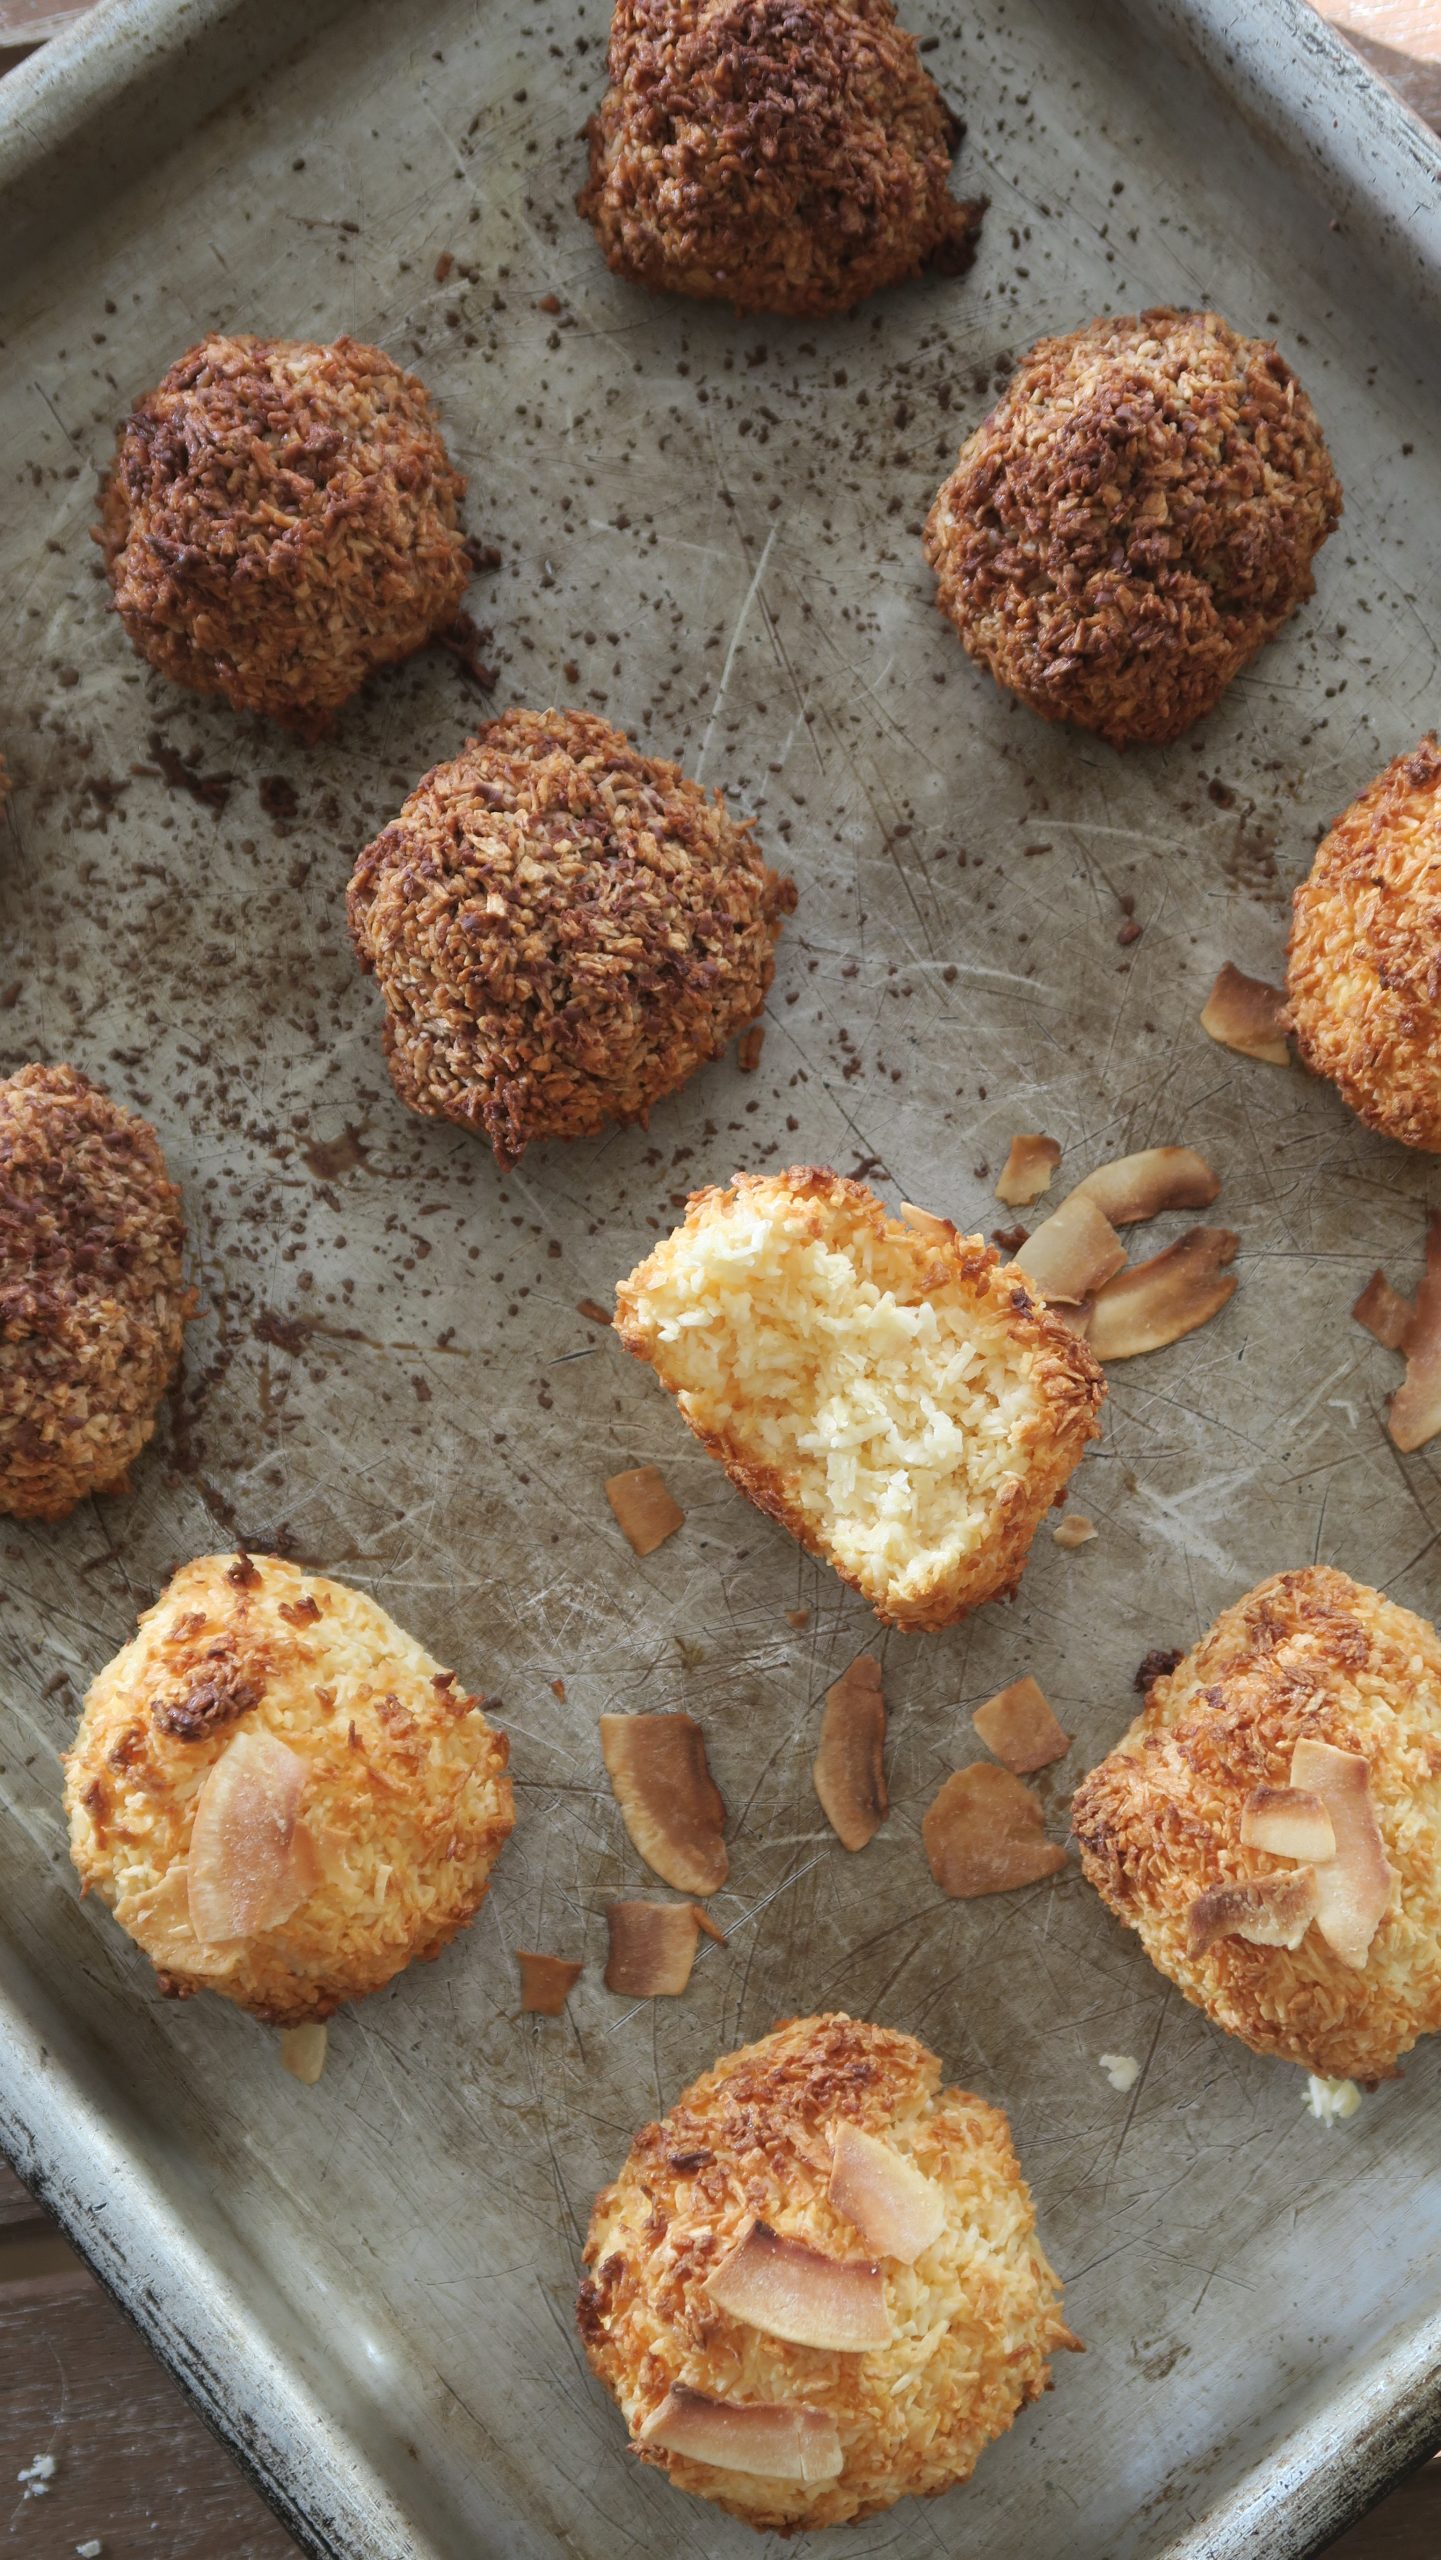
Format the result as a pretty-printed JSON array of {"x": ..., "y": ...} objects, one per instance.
[
  {"x": 773, "y": 2441},
  {"x": 797, "y": 2293},
  {"x": 849, "y": 1772},
  {"x": 1384, "y": 1312},
  {"x": 652, "y": 1948},
  {"x": 1141, "y": 1186},
  {"x": 302, "y": 2051},
  {"x": 1269, "y": 1911},
  {"x": 1018, "y": 1725},
  {"x": 670, "y": 1804},
  {"x": 158, "y": 1918},
  {"x": 925, "y": 1221},
  {"x": 895, "y": 2207},
  {"x": 1355, "y": 1885},
  {"x": 1416, "y": 1405},
  {"x": 1288, "y": 1822},
  {"x": 1074, "y": 1531},
  {"x": 245, "y": 1871},
  {"x": 1072, "y": 1253},
  {"x": 1160, "y": 1300},
  {"x": 647, "y": 1511},
  {"x": 1248, "y": 1015},
  {"x": 1027, "y": 1170},
  {"x": 986, "y": 1833},
  {"x": 546, "y": 1983}
]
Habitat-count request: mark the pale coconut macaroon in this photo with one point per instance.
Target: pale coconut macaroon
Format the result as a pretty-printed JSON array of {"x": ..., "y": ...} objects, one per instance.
[
  {"x": 816, "y": 2286},
  {"x": 278, "y": 1792},
  {"x": 1271, "y": 1825},
  {"x": 1364, "y": 997},
  {"x": 881, "y": 1386}
]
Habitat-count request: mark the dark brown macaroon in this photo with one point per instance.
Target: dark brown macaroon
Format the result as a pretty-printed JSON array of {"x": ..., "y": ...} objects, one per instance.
[
  {"x": 1363, "y": 974},
  {"x": 563, "y": 930},
  {"x": 782, "y": 155},
  {"x": 92, "y": 1298},
  {"x": 1133, "y": 521},
  {"x": 282, "y": 519}
]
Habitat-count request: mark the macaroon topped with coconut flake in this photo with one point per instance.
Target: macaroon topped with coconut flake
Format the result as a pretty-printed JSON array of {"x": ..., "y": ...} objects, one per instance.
[{"x": 881, "y": 1386}]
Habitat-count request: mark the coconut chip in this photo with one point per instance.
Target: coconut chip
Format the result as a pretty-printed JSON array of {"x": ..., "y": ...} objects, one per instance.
[
  {"x": 1268, "y": 1911},
  {"x": 1354, "y": 1886},
  {"x": 1385, "y": 1313},
  {"x": 669, "y": 1802},
  {"x": 1248, "y": 1015},
  {"x": 1141, "y": 1186},
  {"x": 1288, "y": 1822},
  {"x": 546, "y": 1983},
  {"x": 1027, "y": 1170},
  {"x": 777, "y": 2441},
  {"x": 1072, "y": 1253},
  {"x": 894, "y": 2206},
  {"x": 1159, "y": 1301},
  {"x": 647, "y": 1511},
  {"x": 925, "y": 1222},
  {"x": 1018, "y": 1725},
  {"x": 792, "y": 2291},
  {"x": 1074, "y": 1531},
  {"x": 250, "y": 1863},
  {"x": 303, "y": 2050},
  {"x": 652, "y": 1947},
  {"x": 1416, "y": 1406},
  {"x": 985, "y": 1833},
  {"x": 849, "y": 1771}
]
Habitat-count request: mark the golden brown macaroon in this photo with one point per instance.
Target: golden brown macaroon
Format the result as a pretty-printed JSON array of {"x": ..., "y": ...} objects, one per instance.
[
  {"x": 968, "y": 2320},
  {"x": 1363, "y": 976},
  {"x": 881, "y": 1386},
  {"x": 93, "y": 1303},
  {"x": 281, "y": 519},
  {"x": 355, "y": 1831},
  {"x": 563, "y": 930},
  {"x": 1133, "y": 521},
  {"x": 1309, "y": 1655},
  {"x": 782, "y": 155}
]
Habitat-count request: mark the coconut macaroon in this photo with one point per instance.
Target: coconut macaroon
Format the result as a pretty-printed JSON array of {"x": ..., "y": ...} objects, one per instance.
[
  {"x": 279, "y": 1793},
  {"x": 881, "y": 1386},
  {"x": 816, "y": 2286},
  {"x": 1271, "y": 1825},
  {"x": 1363, "y": 996},
  {"x": 780, "y": 155},
  {"x": 1133, "y": 521},
  {"x": 93, "y": 1302},
  {"x": 563, "y": 930},
  {"x": 281, "y": 519}
]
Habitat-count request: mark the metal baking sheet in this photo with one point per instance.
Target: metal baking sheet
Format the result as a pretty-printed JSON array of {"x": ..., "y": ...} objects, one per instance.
[{"x": 709, "y": 531}]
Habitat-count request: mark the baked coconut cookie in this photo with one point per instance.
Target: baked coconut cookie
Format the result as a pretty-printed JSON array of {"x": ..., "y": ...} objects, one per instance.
[
  {"x": 816, "y": 2286},
  {"x": 1133, "y": 521},
  {"x": 279, "y": 1794},
  {"x": 881, "y": 1386},
  {"x": 1363, "y": 976},
  {"x": 93, "y": 1299},
  {"x": 781, "y": 155},
  {"x": 1271, "y": 1825},
  {"x": 282, "y": 519}
]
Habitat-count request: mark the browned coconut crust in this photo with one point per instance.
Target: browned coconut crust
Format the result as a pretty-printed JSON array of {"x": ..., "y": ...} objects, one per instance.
[
  {"x": 1133, "y": 521},
  {"x": 562, "y": 929},
  {"x": 1047, "y": 1448},
  {"x": 781, "y": 155},
  {"x": 1309, "y": 1653},
  {"x": 92, "y": 1299},
  {"x": 281, "y": 519},
  {"x": 406, "y": 1799},
  {"x": 752, "y": 2137},
  {"x": 1363, "y": 973}
]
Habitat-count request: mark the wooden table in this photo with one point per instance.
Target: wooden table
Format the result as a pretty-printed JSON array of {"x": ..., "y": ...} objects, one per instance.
[{"x": 135, "y": 2471}]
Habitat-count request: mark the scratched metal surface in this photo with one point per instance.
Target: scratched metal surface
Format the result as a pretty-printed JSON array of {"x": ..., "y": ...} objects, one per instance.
[{"x": 708, "y": 530}]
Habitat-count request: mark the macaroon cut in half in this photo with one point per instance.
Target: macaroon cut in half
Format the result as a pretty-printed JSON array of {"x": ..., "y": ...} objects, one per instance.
[
  {"x": 816, "y": 2285},
  {"x": 278, "y": 1792},
  {"x": 780, "y": 155},
  {"x": 1312, "y": 1685},
  {"x": 1363, "y": 976},
  {"x": 1133, "y": 521},
  {"x": 881, "y": 1386}
]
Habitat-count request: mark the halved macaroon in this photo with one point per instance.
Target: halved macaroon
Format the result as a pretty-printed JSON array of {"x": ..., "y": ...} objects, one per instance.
[
  {"x": 905, "y": 1406},
  {"x": 1271, "y": 1825},
  {"x": 816, "y": 2287},
  {"x": 279, "y": 1794}
]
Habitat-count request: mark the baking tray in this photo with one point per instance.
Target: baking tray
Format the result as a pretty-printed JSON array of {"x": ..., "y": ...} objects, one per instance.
[{"x": 708, "y": 529}]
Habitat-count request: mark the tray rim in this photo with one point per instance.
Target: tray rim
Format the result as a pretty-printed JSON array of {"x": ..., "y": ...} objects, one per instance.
[{"x": 1295, "y": 73}]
